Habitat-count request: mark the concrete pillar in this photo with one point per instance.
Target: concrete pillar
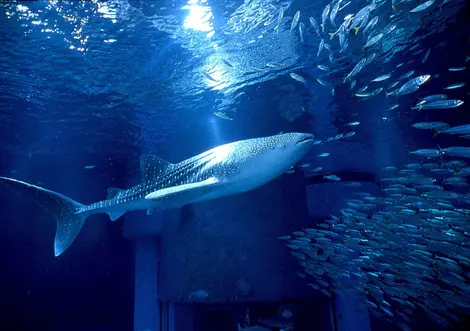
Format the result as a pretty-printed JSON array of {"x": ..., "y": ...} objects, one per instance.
[
  {"x": 146, "y": 303},
  {"x": 351, "y": 314},
  {"x": 168, "y": 316},
  {"x": 327, "y": 199},
  {"x": 145, "y": 233}
]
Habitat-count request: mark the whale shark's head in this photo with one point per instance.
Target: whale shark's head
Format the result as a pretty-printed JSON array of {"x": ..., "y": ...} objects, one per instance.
[
  {"x": 283, "y": 150},
  {"x": 260, "y": 160}
]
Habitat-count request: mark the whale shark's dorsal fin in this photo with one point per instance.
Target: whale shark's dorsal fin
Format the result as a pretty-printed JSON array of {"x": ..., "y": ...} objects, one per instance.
[
  {"x": 153, "y": 167},
  {"x": 114, "y": 215}
]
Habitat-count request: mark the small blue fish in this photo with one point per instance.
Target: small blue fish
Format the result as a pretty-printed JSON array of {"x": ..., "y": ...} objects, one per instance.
[
  {"x": 457, "y": 69},
  {"x": 422, "y": 7},
  {"x": 333, "y": 178},
  {"x": 353, "y": 123},
  {"x": 434, "y": 97},
  {"x": 413, "y": 85},
  {"x": 443, "y": 104},
  {"x": 198, "y": 294},
  {"x": 454, "y": 86},
  {"x": 295, "y": 21},
  {"x": 382, "y": 78},
  {"x": 352, "y": 184}
]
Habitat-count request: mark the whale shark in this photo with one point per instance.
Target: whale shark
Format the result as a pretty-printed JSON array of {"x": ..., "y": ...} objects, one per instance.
[{"x": 225, "y": 170}]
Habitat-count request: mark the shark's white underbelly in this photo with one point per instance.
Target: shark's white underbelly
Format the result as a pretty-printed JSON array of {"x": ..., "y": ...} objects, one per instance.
[
  {"x": 226, "y": 189},
  {"x": 123, "y": 207}
]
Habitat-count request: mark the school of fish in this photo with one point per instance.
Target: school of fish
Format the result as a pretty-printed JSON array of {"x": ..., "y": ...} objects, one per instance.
[{"x": 406, "y": 249}]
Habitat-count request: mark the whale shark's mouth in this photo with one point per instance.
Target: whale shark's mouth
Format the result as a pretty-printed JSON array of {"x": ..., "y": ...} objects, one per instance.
[{"x": 306, "y": 138}]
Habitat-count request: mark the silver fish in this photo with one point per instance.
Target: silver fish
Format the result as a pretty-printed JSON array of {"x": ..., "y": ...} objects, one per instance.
[
  {"x": 391, "y": 86},
  {"x": 430, "y": 125},
  {"x": 373, "y": 40},
  {"x": 454, "y": 86},
  {"x": 381, "y": 78},
  {"x": 360, "y": 19},
  {"x": 422, "y": 7},
  {"x": 457, "y": 151},
  {"x": 426, "y": 56},
  {"x": 370, "y": 58},
  {"x": 323, "y": 67},
  {"x": 279, "y": 19},
  {"x": 406, "y": 75},
  {"x": 428, "y": 152},
  {"x": 334, "y": 12},
  {"x": 357, "y": 68},
  {"x": 461, "y": 129},
  {"x": 353, "y": 123},
  {"x": 297, "y": 77},
  {"x": 370, "y": 94},
  {"x": 301, "y": 31},
  {"x": 320, "y": 47},
  {"x": 370, "y": 26},
  {"x": 295, "y": 21},
  {"x": 457, "y": 69},
  {"x": 324, "y": 82},
  {"x": 353, "y": 83},
  {"x": 389, "y": 29},
  {"x": 327, "y": 47},
  {"x": 413, "y": 85},
  {"x": 314, "y": 24},
  {"x": 344, "y": 45},
  {"x": 198, "y": 294},
  {"x": 223, "y": 116},
  {"x": 324, "y": 16},
  {"x": 442, "y": 104},
  {"x": 344, "y": 6},
  {"x": 332, "y": 177},
  {"x": 434, "y": 97}
]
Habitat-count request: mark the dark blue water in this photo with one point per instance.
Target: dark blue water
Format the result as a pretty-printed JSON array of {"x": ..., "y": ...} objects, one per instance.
[{"x": 86, "y": 88}]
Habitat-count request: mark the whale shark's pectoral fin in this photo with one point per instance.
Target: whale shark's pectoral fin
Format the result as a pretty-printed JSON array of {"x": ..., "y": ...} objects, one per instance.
[
  {"x": 114, "y": 215},
  {"x": 153, "y": 167},
  {"x": 112, "y": 193},
  {"x": 183, "y": 194}
]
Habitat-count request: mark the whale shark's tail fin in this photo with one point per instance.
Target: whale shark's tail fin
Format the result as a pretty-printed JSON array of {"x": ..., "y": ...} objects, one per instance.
[{"x": 64, "y": 210}]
